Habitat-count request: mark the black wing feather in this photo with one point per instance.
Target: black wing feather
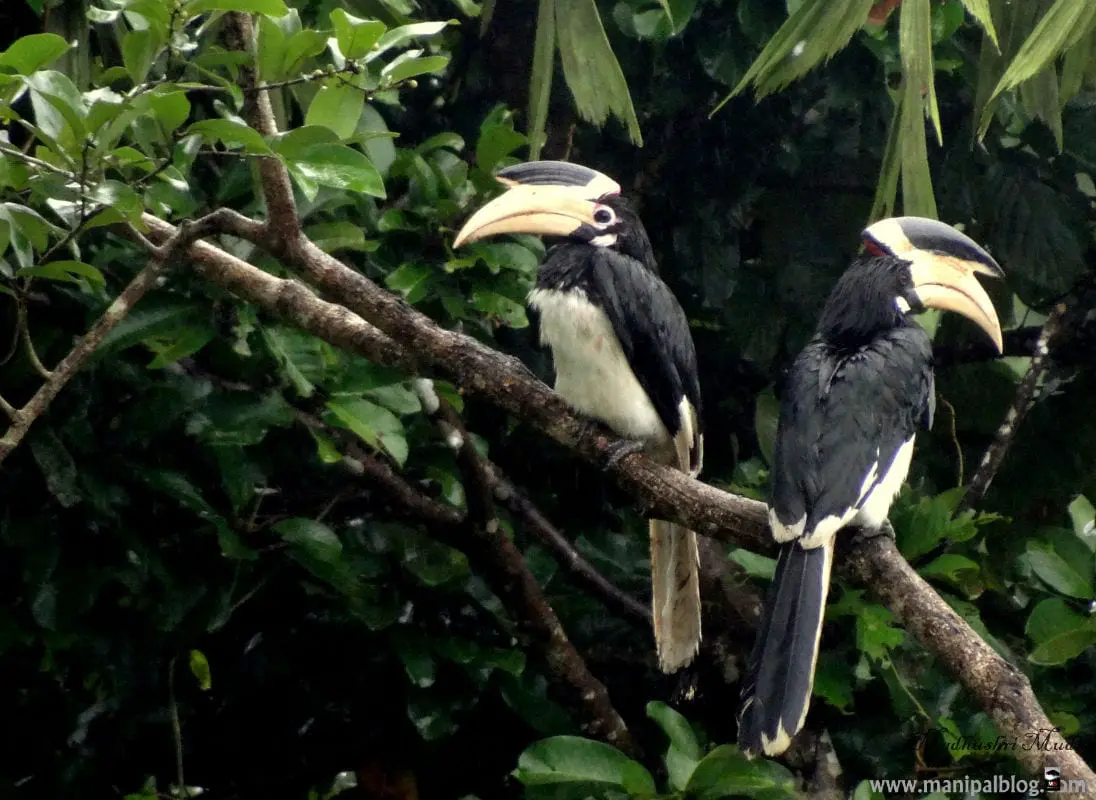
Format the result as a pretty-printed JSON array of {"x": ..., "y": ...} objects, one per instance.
[
  {"x": 841, "y": 413},
  {"x": 653, "y": 332}
]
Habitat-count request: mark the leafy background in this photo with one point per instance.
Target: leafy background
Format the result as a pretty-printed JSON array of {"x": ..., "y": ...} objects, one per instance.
[{"x": 187, "y": 575}]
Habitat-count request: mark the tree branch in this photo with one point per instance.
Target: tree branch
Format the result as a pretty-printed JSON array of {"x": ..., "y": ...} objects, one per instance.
[
  {"x": 1021, "y": 404},
  {"x": 399, "y": 331},
  {"x": 23, "y": 418},
  {"x": 501, "y": 564}
]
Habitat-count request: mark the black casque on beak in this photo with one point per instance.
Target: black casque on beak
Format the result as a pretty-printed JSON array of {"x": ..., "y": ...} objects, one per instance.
[
  {"x": 943, "y": 265},
  {"x": 547, "y": 198}
]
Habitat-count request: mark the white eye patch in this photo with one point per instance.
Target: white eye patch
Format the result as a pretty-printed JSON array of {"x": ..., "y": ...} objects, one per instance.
[{"x": 902, "y": 304}]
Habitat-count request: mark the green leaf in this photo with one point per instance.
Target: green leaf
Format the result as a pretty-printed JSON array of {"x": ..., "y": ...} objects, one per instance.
[
  {"x": 756, "y": 565},
  {"x": 409, "y": 280},
  {"x": 170, "y": 108},
  {"x": 59, "y": 108},
  {"x": 684, "y": 751},
  {"x": 593, "y": 74},
  {"x": 1083, "y": 515},
  {"x": 180, "y": 343},
  {"x": 30, "y": 53},
  {"x": 271, "y": 8},
  {"x": 572, "y": 759},
  {"x": 374, "y": 424},
  {"x": 874, "y": 633},
  {"x": 139, "y": 50},
  {"x": 979, "y": 9},
  {"x": 73, "y": 271},
  {"x": 231, "y": 133},
  {"x": 540, "y": 80},
  {"x": 1066, "y": 23},
  {"x": 301, "y": 356},
  {"x": 336, "y": 106},
  {"x": 339, "y": 167},
  {"x": 1064, "y": 647},
  {"x": 915, "y": 47},
  {"x": 1068, "y": 577},
  {"x": 356, "y": 36},
  {"x": 495, "y": 142},
  {"x": 766, "y": 418},
  {"x": 407, "y": 66},
  {"x": 813, "y": 33},
  {"x": 725, "y": 772},
  {"x": 432, "y": 562},
  {"x": 397, "y": 37},
  {"x": 418, "y": 663},
  {"x": 199, "y": 668},
  {"x": 314, "y": 538}
]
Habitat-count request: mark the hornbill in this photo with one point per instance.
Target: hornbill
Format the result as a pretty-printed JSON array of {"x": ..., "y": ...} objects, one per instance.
[
  {"x": 621, "y": 347},
  {"x": 852, "y": 403}
]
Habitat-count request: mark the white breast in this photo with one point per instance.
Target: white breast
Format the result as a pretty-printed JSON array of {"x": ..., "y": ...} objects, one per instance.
[{"x": 592, "y": 373}]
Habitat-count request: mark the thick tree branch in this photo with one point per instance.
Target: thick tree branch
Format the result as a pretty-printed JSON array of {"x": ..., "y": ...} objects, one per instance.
[
  {"x": 1021, "y": 404},
  {"x": 501, "y": 564},
  {"x": 670, "y": 494}
]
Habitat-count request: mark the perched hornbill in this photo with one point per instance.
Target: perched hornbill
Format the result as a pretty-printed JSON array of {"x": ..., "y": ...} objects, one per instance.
[
  {"x": 853, "y": 401},
  {"x": 621, "y": 347}
]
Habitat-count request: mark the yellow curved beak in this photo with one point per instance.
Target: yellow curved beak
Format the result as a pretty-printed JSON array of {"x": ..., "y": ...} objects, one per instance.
[
  {"x": 950, "y": 285},
  {"x": 540, "y": 209}
]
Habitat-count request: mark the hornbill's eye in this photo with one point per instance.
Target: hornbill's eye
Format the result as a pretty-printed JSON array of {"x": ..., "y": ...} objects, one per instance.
[{"x": 604, "y": 216}]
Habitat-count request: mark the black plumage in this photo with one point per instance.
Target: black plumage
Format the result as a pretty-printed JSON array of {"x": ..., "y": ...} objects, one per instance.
[{"x": 853, "y": 402}]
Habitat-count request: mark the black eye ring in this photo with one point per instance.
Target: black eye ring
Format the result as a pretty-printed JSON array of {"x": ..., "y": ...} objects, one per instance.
[{"x": 603, "y": 216}]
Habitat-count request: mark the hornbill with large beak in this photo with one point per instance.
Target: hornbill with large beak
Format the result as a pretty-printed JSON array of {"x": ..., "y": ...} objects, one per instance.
[
  {"x": 621, "y": 347},
  {"x": 852, "y": 403}
]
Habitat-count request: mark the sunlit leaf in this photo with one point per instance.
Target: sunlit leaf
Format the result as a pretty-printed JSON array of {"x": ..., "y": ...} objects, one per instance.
[
  {"x": 30, "y": 53},
  {"x": 231, "y": 133},
  {"x": 374, "y": 424},
  {"x": 356, "y": 36},
  {"x": 199, "y": 668},
  {"x": 336, "y": 106},
  {"x": 405, "y": 66},
  {"x": 339, "y": 167},
  {"x": 570, "y": 759},
  {"x": 74, "y": 271}
]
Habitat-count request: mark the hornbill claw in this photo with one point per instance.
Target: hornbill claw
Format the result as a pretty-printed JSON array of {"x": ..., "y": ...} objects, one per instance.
[{"x": 619, "y": 449}]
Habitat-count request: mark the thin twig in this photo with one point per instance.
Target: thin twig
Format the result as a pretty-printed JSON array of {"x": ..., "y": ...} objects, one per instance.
[
  {"x": 454, "y": 433},
  {"x": 23, "y": 418},
  {"x": 176, "y": 727},
  {"x": 32, "y": 354},
  {"x": 1021, "y": 404}
]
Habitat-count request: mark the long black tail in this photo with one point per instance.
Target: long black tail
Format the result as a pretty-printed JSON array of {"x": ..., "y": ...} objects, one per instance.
[{"x": 776, "y": 691}]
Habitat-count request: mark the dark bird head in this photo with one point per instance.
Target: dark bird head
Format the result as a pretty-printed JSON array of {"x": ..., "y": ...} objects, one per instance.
[
  {"x": 913, "y": 264},
  {"x": 556, "y": 198}
]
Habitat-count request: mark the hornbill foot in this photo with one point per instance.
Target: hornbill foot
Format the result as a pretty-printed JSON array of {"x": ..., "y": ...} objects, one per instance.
[
  {"x": 867, "y": 534},
  {"x": 619, "y": 449}
]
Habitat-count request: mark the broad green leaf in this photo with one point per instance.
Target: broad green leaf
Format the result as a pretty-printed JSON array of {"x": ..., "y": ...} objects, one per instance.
[
  {"x": 341, "y": 235},
  {"x": 356, "y": 36},
  {"x": 918, "y": 198},
  {"x": 374, "y": 424},
  {"x": 766, "y": 417},
  {"x": 1060, "y": 28},
  {"x": 405, "y": 66},
  {"x": 756, "y": 565},
  {"x": 59, "y": 108},
  {"x": 593, "y": 74},
  {"x": 495, "y": 142},
  {"x": 139, "y": 50},
  {"x": 199, "y": 668},
  {"x": 410, "y": 280},
  {"x": 979, "y": 9},
  {"x": 339, "y": 167},
  {"x": 1068, "y": 577},
  {"x": 74, "y": 271},
  {"x": 270, "y": 50},
  {"x": 301, "y": 356},
  {"x": 1064, "y": 647},
  {"x": 432, "y": 562},
  {"x": 540, "y": 80},
  {"x": 152, "y": 317},
  {"x": 301, "y": 46},
  {"x": 572, "y": 759},
  {"x": 501, "y": 307},
  {"x": 874, "y": 633},
  {"x": 1053, "y": 617},
  {"x": 418, "y": 663},
  {"x": 231, "y": 133},
  {"x": 30, "y": 53},
  {"x": 1039, "y": 95},
  {"x": 315, "y": 538},
  {"x": 726, "y": 772},
  {"x": 180, "y": 343},
  {"x": 398, "y": 37},
  {"x": 915, "y": 47},
  {"x": 171, "y": 109},
  {"x": 684, "y": 751},
  {"x": 336, "y": 106},
  {"x": 812, "y": 34},
  {"x": 1083, "y": 515},
  {"x": 271, "y": 8}
]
